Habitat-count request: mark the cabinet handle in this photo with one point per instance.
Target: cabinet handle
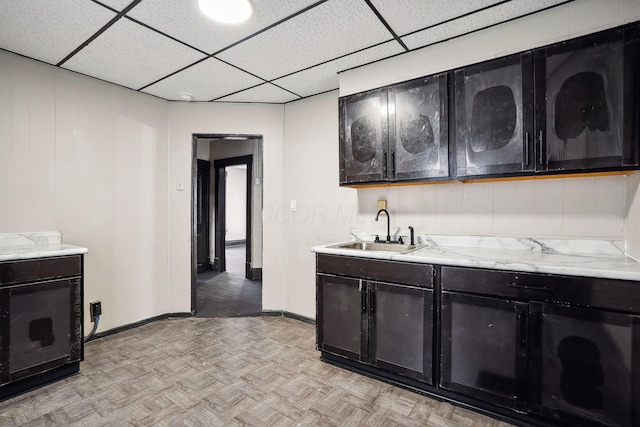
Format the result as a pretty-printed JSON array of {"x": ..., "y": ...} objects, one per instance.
[
  {"x": 384, "y": 164},
  {"x": 540, "y": 147},
  {"x": 530, "y": 288},
  {"x": 393, "y": 164},
  {"x": 526, "y": 148},
  {"x": 363, "y": 298},
  {"x": 372, "y": 301}
]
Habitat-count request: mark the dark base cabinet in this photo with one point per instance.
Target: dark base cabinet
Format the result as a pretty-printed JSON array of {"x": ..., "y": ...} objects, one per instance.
[
  {"x": 585, "y": 366},
  {"x": 40, "y": 321},
  {"x": 531, "y": 349},
  {"x": 386, "y": 325},
  {"x": 484, "y": 349}
]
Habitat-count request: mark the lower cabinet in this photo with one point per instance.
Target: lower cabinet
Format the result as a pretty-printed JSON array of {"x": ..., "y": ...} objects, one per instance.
[
  {"x": 517, "y": 347},
  {"x": 585, "y": 365},
  {"x": 484, "y": 349},
  {"x": 381, "y": 324},
  {"x": 534, "y": 349}
]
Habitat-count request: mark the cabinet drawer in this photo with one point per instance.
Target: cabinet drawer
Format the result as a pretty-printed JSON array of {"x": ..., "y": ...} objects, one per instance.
[
  {"x": 33, "y": 270},
  {"x": 609, "y": 294},
  {"x": 405, "y": 273}
]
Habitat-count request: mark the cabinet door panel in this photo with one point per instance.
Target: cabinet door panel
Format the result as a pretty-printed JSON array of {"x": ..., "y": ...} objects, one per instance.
[
  {"x": 364, "y": 137},
  {"x": 494, "y": 117},
  {"x": 401, "y": 326},
  {"x": 484, "y": 349},
  {"x": 340, "y": 316},
  {"x": 586, "y": 95},
  {"x": 418, "y": 135},
  {"x": 585, "y": 366}
]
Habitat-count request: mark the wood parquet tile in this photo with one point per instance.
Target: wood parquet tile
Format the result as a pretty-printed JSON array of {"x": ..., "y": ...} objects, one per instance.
[{"x": 246, "y": 371}]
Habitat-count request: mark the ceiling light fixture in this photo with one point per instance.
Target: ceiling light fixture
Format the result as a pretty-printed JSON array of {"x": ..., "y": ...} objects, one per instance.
[
  {"x": 186, "y": 96},
  {"x": 226, "y": 11}
]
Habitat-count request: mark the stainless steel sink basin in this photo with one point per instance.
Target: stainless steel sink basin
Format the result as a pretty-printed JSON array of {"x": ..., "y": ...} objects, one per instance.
[{"x": 378, "y": 247}]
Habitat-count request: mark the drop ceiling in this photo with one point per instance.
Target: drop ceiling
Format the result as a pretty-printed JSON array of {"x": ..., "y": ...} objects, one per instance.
[{"x": 288, "y": 50}]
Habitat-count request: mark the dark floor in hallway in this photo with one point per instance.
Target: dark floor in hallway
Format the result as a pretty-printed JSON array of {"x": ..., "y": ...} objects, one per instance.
[{"x": 229, "y": 294}]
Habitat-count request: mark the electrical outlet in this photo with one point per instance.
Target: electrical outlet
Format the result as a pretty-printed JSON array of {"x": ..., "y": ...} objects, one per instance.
[
  {"x": 95, "y": 309},
  {"x": 382, "y": 204}
]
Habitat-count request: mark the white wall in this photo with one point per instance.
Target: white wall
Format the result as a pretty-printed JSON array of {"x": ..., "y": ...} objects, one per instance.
[
  {"x": 594, "y": 207},
  {"x": 236, "y": 195},
  {"x": 89, "y": 159},
  {"x": 225, "y": 118}
]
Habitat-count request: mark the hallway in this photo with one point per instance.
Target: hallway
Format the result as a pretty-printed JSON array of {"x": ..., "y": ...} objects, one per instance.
[{"x": 229, "y": 294}]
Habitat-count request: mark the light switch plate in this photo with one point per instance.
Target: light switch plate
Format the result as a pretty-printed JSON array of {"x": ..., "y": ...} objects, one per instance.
[{"x": 382, "y": 204}]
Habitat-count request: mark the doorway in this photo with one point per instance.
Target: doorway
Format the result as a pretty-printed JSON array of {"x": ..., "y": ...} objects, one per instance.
[
  {"x": 228, "y": 209},
  {"x": 226, "y": 246}
]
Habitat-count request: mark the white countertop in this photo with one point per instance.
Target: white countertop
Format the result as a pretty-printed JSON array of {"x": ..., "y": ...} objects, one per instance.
[
  {"x": 589, "y": 258},
  {"x": 15, "y": 246}
]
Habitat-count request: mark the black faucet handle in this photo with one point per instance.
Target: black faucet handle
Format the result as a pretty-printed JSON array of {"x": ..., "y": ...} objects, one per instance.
[
  {"x": 412, "y": 236},
  {"x": 377, "y": 239},
  {"x": 400, "y": 240}
]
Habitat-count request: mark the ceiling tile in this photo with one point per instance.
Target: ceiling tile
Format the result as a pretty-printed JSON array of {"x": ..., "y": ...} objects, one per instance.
[
  {"x": 405, "y": 16},
  {"x": 333, "y": 29},
  {"x": 184, "y": 21},
  {"x": 325, "y": 77},
  {"x": 263, "y": 93},
  {"x": 118, "y": 5},
  {"x": 207, "y": 80},
  {"x": 131, "y": 55},
  {"x": 49, "y": 30},
  {"x": 494, "y": 15}
]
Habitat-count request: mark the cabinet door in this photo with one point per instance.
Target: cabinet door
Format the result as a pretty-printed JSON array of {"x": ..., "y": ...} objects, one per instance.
[
  {"x": 364, "y": 137},
  {"x": 418, "y": 135},
  {"x": 585, "y": 366},
  {"x": 340, "y": 316},
  {"x": 586, "y": 106},
  {"x": 494, "y": 117},
  {"x": 401, "y": 330},
  {"x": 484, "y": 349}
]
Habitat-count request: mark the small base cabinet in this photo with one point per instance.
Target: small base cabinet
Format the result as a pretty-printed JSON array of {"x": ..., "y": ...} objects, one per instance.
[
  {"x": 41, "y": 336},
  {"x": 484, "y": 349},
  {"x": 382, "y": 324}
]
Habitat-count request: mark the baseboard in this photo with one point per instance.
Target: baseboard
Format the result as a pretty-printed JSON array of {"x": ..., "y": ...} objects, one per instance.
[
  {"x": 137, "y": 324},
  {"x": 282, "y": 313},
  {"x": 277, "y": 313},
  {"x": 256, "y": 274}
]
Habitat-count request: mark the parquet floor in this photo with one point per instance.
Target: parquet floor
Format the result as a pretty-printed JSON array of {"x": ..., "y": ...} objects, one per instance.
[{"x": 249, "y": 371}]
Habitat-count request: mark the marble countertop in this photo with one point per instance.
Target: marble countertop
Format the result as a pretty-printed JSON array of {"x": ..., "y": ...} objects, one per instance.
[
  {"x": 589, "y": 258},
  {"x": 15, "y": 246}
]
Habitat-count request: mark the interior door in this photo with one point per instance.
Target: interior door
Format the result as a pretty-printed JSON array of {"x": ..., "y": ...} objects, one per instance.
[{"x": 202, "y": 216}]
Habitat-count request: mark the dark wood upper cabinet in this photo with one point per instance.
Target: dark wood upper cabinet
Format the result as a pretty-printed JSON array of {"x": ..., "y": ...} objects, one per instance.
[
  {"x": 418, "y": 129},
  {"x": 398, "y": 133},
  {"x": 364, "y": 137},
  {"x": 494, "y": 117},
  {"x": 587, "y": 102},
  {"x": 570, "y": 107}
]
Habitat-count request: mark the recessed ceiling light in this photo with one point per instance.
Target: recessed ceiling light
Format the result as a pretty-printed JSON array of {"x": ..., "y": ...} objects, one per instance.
[{"x": 226, "y": 11}]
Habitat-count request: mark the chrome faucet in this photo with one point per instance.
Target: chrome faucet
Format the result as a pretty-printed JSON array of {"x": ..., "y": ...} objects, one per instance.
[{"x": 388, "y": 223}]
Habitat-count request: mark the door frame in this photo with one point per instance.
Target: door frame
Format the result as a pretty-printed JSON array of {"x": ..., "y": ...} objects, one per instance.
[
  {"x": 219, "y": 167},
  {"x": 194, "y": 182}
]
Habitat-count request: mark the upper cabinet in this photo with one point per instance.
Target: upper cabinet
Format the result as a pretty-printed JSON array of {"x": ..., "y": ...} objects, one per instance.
[
  {"x": 494, "y": 117},
  {"x": 399, "y": 133},
  {"x": 571, "y": 107},
  {"x": 364, "y": 137},
  {"x": 587, "y": 102}
]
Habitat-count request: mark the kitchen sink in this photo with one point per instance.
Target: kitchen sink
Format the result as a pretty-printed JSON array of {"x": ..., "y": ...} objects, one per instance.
[{"x": 378, "y": 247}]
